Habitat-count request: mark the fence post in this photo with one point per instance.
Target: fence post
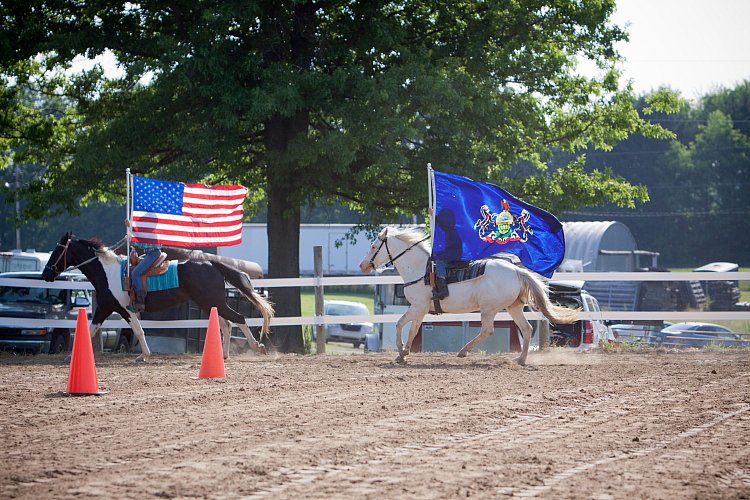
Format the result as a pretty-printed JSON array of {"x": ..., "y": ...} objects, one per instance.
[
  {"x": 543, "y": 334},
  {"x": 320, "y": 332}
]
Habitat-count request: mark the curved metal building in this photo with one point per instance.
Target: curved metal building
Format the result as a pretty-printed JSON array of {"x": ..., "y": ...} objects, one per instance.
[{"x": 598, "y": 246}]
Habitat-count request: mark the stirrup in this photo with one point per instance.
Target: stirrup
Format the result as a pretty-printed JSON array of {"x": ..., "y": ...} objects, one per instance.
[{"x": 439, "y": 293}]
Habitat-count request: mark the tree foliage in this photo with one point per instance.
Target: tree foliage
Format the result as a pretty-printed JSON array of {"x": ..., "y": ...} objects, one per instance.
[
  {"x": 311, "y": 102},
  {"x": 698, "y": 183}
]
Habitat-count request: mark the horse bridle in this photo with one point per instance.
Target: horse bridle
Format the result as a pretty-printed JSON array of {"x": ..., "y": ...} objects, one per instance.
[
  {"x": 391, "y": 259},
  {"x": 64, "y": 255}
]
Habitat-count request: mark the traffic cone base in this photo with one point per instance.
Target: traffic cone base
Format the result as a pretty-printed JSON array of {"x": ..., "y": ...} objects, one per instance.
[
  {"x": 212, "y": 360},
  {"x": 82, "y": 380}
]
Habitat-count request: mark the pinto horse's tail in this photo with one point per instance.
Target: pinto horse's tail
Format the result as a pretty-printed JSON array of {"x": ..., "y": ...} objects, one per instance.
[
  {"x": 241, "y": 281},
  {"x": 534, "y": 293}
]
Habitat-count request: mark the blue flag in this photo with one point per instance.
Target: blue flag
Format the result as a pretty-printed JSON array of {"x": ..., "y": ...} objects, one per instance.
[{"x": 474, "y": 220}]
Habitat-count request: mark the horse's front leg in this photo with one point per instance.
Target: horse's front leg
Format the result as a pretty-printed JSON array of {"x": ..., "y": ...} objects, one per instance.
[
  {"x": 93, "y": 330},
  {"x": 226, "y": 333},
  {"x": 135, "y": 325},
  {"x": 399, "y": 338}
]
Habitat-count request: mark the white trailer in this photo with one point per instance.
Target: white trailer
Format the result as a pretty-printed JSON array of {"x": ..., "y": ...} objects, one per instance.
[
  {"x": 16, "y": 260},
  {"x": 342, "y": 260}
]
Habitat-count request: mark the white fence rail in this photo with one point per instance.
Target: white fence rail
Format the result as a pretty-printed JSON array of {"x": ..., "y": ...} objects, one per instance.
[{"x": 392, "y": 318}]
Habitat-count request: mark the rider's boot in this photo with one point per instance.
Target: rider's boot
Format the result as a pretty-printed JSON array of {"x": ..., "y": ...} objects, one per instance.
[
  {"x": 140, "y": 304},
  {"x": 441, "y": 289}
]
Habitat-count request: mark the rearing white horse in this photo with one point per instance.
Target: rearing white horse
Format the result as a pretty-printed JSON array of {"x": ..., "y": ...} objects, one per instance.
[{"x": 502, "y": 286}]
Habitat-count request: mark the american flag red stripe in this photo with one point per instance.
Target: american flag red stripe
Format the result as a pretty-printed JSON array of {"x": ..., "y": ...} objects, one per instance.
[{"x": 186, "y": 215}]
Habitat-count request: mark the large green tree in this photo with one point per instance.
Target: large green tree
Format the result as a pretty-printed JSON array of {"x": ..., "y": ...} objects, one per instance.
[{"x": 331, "y": 101}]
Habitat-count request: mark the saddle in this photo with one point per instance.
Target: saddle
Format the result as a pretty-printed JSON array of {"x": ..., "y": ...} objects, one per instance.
[
  {"x": 158, "y": 268},
  {"x": 463, "y": 270}
]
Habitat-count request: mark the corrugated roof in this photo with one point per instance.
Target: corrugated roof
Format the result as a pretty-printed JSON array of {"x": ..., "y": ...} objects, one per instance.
[{"x": 584, "y": 240}]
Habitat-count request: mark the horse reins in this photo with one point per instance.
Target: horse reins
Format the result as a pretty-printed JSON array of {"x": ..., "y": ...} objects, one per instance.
[
  {"x": 64, "y": 255},
  {"x": 391, "y": 259}
]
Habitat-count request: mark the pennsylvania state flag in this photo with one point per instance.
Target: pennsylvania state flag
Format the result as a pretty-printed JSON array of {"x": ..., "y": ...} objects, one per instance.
[{"x": 474, "y": 220}]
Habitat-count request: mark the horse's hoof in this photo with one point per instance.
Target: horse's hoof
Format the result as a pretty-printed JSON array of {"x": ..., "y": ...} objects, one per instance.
[
  {"x": 259, "y": 348},
  {"x": 141, "y": 359},
  {"x": 462, "y": 354},
  {"x": 400, "y": 360}
]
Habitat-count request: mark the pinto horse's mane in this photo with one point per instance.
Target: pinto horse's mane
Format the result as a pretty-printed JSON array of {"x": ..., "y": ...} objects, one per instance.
[
  {"x": 409, "y": 236},
  {"x": 103, "y": 252}
]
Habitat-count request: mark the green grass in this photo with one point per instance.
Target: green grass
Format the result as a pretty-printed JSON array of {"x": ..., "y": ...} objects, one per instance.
[{"x": 307, "y": 296}]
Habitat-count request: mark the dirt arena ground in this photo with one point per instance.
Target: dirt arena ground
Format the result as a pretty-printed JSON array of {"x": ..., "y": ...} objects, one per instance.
[{"x": 656, "y": 424}]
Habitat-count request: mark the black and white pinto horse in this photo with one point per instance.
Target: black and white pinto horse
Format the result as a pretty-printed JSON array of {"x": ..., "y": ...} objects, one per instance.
[
  {"x": 202, "y": 281},
  {"x": 502, "y": 286}
]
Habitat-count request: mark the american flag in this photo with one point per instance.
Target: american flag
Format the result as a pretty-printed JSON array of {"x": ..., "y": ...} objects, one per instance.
[{"x": 186, "y": 215}]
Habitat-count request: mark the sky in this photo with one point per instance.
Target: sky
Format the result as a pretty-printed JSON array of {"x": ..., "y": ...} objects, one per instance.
[{"x": 694, "y": 46}]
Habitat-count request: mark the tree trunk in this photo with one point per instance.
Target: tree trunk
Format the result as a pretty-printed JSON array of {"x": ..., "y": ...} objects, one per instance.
[
  {"x": 283, "y": 185},
  {"x": 283, "y": 262},
  {"x": 283, "y": 229}
]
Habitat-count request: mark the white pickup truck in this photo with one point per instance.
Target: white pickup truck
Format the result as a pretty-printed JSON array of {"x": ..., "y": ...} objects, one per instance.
[
  {"x": 583, "y": 334},
  {"x": 38, "y": 301}
]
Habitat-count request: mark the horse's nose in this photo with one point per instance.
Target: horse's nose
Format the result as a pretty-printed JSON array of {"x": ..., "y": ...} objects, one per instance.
[{"x": 365, "y": 266}]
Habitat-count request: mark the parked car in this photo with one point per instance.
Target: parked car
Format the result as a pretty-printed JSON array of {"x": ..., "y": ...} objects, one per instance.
[
  {"x": 346, "y": 332},
  {"x": 583, "y": 334},
  {"x": 38, "y": 301},
  {"x": 633, "y": 333},
  {"x": 698, "y": 335}
]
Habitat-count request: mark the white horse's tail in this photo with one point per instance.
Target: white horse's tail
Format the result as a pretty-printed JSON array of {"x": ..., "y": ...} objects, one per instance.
[{"x": 534, "y": 293}]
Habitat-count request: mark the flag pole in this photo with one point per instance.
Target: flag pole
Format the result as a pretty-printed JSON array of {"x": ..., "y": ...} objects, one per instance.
[
  {"x": 129, "y": 221},
  {"x": 431, "y": 199}
]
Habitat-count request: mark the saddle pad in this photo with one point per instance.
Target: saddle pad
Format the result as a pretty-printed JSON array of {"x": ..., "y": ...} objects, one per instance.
[
  {"x": 473, "y": 270},
  {"x": 457, "y": 271},
  {"x": 165, "y": 281}
]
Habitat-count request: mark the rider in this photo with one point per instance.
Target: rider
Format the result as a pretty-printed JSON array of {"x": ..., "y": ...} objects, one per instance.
[
  {"x": 441, "y": 288},
  {"x": 152, "y": 251},
  {"x": 446, "y": 220}
]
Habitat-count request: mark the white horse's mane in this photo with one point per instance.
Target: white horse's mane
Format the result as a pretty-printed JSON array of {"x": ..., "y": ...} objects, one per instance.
[{"x": 410, "y": 236}]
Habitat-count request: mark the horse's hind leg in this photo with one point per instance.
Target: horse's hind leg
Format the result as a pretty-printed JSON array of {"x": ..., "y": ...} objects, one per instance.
[
  {"x": 232, "y": 316},
  {"x": 226, "y": 333},
  {"x": 414, "y": 316},
  {"x": 135, "y": 324},
  {"x": 488, "y": 326},
  {"x": 226, "y": 313},
  {"x": 254, "y": 344},
  {"x": 413, "y": 329},
  {"x": 516, "y": 312}
]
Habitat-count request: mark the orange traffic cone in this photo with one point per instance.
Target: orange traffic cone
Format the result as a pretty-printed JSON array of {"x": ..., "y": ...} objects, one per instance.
[
  {"x": 212, "y": 361},
  {"x": 82, "y": 380}
]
